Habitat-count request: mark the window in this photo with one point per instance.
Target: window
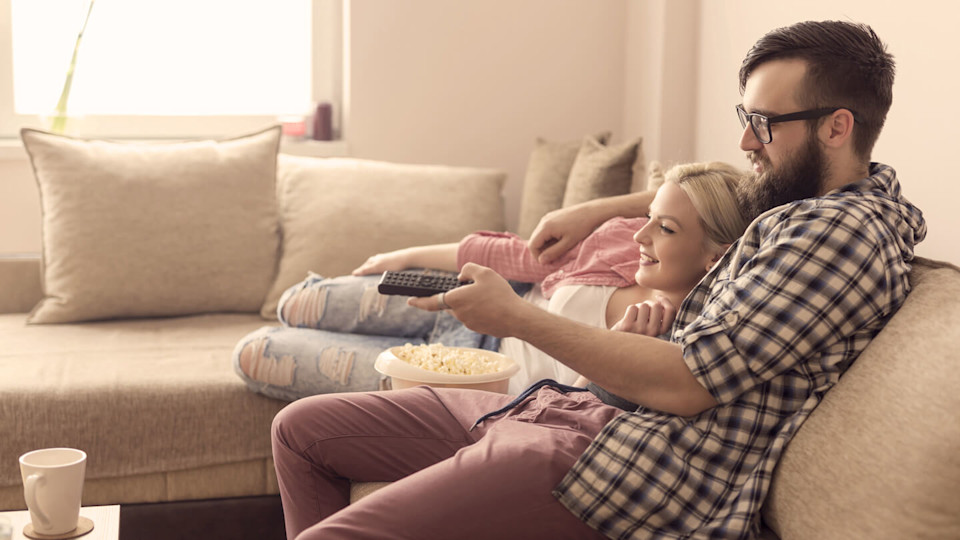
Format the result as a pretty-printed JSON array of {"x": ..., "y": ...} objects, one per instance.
[{"x": 176, "y": 68}]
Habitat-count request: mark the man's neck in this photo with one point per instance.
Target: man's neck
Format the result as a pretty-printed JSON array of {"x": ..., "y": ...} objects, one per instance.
[{"x": 843, "y": 172}]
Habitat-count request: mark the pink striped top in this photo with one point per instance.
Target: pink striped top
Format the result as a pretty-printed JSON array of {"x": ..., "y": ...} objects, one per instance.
[{"x": 609, "y": 256}]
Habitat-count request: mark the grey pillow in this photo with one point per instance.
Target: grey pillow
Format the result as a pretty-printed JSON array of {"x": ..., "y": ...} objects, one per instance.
[
  {"x": 602, "y": 171},
  {"x": 546, "y": 177}
]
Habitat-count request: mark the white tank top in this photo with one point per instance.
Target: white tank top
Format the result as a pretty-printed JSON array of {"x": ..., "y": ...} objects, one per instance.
[{"x": 586, "y": 304}]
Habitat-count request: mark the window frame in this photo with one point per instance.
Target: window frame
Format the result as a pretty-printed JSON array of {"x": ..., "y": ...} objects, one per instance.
[{"x": 328, "y": 17}]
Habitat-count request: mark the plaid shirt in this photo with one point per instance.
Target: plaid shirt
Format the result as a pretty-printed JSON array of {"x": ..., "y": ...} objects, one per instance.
[{"x": 768, "y": 332}]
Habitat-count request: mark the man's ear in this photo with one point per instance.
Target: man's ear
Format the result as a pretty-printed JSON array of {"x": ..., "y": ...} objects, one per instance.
[{"x": 837, "y": 129}]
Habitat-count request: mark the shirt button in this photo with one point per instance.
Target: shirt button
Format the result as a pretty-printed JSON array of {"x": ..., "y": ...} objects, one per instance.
[
  {"x": 731, "y": 319},
  {"x": 560, "y": 272}
]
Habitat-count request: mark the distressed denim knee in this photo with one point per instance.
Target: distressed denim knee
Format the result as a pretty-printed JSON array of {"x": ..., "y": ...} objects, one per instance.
[
  {"x": 292, "y": 363},
  {"x": 351, "y": 304}
]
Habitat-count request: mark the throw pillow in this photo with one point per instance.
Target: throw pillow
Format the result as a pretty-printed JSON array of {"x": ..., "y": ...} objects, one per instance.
[
  {"x": 336, "y": 212},
  {"x": 602, "y": 171},
  {"x": 656, "y": 177},
  {"x": 154, "y": 230},
  {"x": 545, "y": 180}
]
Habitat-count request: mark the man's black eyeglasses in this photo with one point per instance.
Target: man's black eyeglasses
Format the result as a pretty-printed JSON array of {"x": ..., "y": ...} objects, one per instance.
[{"x": 760, "y": 124}]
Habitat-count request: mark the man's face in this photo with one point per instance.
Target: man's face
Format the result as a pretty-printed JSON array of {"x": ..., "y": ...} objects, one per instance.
[{"x": 792, "y": 166}]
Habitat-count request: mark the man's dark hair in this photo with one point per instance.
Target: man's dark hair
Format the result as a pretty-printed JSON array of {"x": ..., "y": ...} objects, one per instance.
[{"x": 847, "y": 66}]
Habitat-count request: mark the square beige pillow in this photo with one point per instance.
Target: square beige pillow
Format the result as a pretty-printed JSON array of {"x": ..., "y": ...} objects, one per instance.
[
  {"x": 603, "y": 171},
  {"x": 154, "y": 230},
  {"x": 336, "y": 212},
  {"x": 546, "y": 177}
]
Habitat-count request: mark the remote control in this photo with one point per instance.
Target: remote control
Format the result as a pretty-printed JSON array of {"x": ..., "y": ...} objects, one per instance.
[{"x": 417, "y": 283}]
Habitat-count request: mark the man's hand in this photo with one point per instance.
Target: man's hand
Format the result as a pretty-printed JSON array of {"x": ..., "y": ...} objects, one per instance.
[
  {"x": 488, "y": 305},
  {"x": 650, "y": 318}
]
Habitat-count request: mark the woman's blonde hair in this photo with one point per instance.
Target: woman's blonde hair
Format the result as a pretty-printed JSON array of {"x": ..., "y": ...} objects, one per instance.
[{"x": 712, "y": 188}]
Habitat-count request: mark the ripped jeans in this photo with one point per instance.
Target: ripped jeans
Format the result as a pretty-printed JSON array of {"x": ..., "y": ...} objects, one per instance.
[{"x": 333, "y": 330}]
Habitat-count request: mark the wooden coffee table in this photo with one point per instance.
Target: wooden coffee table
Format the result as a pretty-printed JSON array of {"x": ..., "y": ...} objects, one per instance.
[{"x": 106, "y": 522}]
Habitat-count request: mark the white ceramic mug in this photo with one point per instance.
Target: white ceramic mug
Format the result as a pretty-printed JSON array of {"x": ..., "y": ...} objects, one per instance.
[{"x": 52, "y": 486}]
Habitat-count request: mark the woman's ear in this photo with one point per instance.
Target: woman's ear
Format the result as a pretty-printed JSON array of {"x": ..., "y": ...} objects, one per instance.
[{"x": 717, "y": 255}]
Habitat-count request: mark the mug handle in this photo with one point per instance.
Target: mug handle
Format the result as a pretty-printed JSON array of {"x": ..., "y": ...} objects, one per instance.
[{"x": 30, "y": 493}]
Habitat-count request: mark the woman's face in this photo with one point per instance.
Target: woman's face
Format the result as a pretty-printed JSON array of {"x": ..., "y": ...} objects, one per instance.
[{"x": 673, "y": 249}]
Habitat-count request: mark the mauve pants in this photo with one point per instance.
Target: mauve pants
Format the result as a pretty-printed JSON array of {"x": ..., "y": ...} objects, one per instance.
[{"x": 449, "y": 483}]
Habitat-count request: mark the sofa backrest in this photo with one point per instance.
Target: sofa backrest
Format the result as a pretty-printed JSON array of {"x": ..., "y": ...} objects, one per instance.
[
  {"x": 20, "y": 287},
  {"x": 880, "y": 457}
]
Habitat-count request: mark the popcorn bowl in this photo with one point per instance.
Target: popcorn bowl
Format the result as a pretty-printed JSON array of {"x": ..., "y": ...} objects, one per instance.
[{"x": 406, "y": 375}]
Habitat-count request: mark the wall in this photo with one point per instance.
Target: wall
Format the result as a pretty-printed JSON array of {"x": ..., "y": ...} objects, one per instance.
[
  {"x": 661, "y": 74},
  {"x": 474, "y": 83}
]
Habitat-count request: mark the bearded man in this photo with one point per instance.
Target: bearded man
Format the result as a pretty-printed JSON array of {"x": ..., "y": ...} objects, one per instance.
[{"x": 753, "y": 349}]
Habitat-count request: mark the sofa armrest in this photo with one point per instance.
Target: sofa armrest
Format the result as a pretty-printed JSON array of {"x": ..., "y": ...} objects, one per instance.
[
  {"x": 20, "y": 282},
  {"x": 877, "y": 458}
]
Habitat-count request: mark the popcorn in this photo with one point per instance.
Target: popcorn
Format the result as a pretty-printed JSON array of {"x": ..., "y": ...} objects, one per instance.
[{"x": 436, "y": 357}]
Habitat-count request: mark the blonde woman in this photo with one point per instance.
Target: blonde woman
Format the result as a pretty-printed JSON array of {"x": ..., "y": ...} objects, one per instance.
[
  {"x": 335, "y": 328},
  {"x": 630, "y": 275}
]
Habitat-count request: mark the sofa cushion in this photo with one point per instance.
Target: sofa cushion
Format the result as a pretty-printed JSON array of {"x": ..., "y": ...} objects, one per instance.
[
  {"x": 545, "y": 180},
  {"x": 20, "y": 282},
  {"x": 603, "y": 171},
  {"x": 142, "y": 397},
  {"x": 336, "y": 212},
  {"x": 143, "y": 230},
  {"x": 879, "y": 456}
]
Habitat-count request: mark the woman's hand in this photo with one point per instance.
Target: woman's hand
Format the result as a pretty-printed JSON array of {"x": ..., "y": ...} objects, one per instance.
[
  {"x": 436, "y": 256},
  {"x": 650, "y": 318},
  {"x": 381, "y": 262}
]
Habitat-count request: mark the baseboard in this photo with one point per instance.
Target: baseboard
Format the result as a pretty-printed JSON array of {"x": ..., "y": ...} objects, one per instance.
[{"x": 241, "y": 518}]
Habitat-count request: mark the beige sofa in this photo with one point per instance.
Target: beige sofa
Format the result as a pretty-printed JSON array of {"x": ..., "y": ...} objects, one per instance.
[{"x": 142, "y": 379}]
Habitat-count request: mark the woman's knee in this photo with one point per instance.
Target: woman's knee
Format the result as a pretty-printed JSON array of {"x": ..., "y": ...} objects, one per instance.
[
  {"x": 256, "y": 367},
  {"x": 342, "y": 304},
  {"x": 302, "y": 305}
]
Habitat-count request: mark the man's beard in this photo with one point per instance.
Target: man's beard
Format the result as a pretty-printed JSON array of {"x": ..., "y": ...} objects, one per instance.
[{"x": 799, "y": 177}]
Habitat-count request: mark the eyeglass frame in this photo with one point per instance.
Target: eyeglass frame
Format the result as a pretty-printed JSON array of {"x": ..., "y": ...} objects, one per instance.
[{"x": 809, "y": 114}]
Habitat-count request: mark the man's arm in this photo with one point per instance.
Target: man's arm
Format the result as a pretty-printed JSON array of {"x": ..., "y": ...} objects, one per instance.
[
  {"x": 560, "y": 230},
  {"x": 642, "y": 369}
]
